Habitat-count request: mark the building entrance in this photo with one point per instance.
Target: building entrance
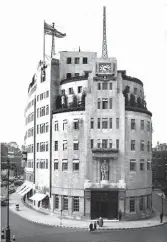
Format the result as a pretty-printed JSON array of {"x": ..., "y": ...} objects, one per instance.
[{"x": 104, "y": 204}]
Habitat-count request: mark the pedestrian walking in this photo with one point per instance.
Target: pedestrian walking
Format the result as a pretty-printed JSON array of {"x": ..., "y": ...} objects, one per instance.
[
  {"x": 2, "y": 233},
  {"x": 91, "y": 227},
  {"x": 95, "y": 226},
  {"x": 120, "y": 215},
  {"x": 161, "y": 217}
]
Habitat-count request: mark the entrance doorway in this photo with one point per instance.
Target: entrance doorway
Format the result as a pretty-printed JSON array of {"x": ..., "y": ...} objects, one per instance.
[{"x": 104, "y": 204}]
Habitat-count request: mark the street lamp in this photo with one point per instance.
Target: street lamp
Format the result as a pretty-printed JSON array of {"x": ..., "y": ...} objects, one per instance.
[{"x": 10, "y": 155}]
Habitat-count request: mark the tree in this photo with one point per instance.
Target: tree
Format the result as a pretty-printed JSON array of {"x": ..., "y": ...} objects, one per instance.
[
  {"x": 125, "y": 93},
  {"x": 58, "y": 102},
  {"x": 132, "y": 100},
  {"x": 75, "y": 101}
]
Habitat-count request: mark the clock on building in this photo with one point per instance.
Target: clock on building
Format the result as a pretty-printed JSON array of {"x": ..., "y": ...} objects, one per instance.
[{"x": 105, "y": 68}]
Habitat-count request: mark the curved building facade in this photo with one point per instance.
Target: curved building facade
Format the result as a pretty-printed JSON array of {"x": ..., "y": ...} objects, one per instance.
[{"x": 89, "y": 139}]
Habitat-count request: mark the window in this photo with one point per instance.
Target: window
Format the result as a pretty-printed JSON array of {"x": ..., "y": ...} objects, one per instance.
[
  {"x": 141, "y": 203},
  {"x": 142, "y": 165},
  {"x": 37, "y": 98},
  {"x": 38, "y": 112},
  {"x": 148, "y": 201},
  {"x": 142, "y": 125},
  {"x": 148, "y": 146},
  {"x": 117, "y": 123},
  {"x": 128, "y": 88},
  {"x": 64, "y": 124},
  {"x": 85, "y": 60},
  {"x": 64, "y": 144},
  {"x": 98, "y": 143},
  {"x": 76, "y": 74},
  {"x": 79, "y": 89},
  {"x": 38, "y": 129},
  {"x": 65, "y": 203},
  {"x": 110, "y": 143},
  {"x": 68, "y": 75},
  {"x": 148, "y": 126},
  {"x": 104, "y": 123},
  {"x": 56, "y": 165},
  {"x": 132, "y": 165},
  {"x": 99, "y": 103},
  {"x": 76, "y": 60},
  {"x": 98, "y": 86},
  {"x": 46, "y": 163},
  {"x": 110, "y": 121},
  {"x": 47, "y": 127},
  {"x": 104, "y": 143},
  {"x": 148, "y": 165},
  {"x": 76, "y": 204},
  {"x": 56, "y": 201},
  {"x": 117, "y": 143},
  {"x": 56, "y": 145},
  {"x": 104, "y": 86},
  {"x": 132, "y": 204},
  {"x": 63, "y": 92},
  {"x": 47, "y": 109},
  {"x": 132, "y": 123},
  {"x": 110, "y": 85},
  {"x": 92, "y": 123},
  {"x": 70, "y": 90},
  {"x": 37, "y": 147},
  {"x": 91, "y": 142},
  {"x": 110, "y": 103},
  {"x": 98, "y": 123},
  {"x": 132, "y": 144},
  {"x": 75, "y": 165},
  {"x": 76, "y": 124},
  {"x": 75, "y": 145},
  {"x": 56, "y": 126},
  {"x": 46, "y": 146},
  {"x": 135, "y": 90},
  {"x": 141, "y": 145},
  {"x": 47, "y": 94},
  {"x": 64, "y": 165},
  {"x": 104, "y": 103},
  {"x": 69, "y": 60}
]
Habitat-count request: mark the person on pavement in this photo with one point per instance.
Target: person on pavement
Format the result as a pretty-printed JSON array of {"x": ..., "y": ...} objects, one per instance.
[
  {"x": 161, "y": 217},
  {"x": 91, "y": 227}
]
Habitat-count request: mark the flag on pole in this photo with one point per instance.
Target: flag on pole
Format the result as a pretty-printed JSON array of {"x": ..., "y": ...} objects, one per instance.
[{"x": 48, "y": 29}]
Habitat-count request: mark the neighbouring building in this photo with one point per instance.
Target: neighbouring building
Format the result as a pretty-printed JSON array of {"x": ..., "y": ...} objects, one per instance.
[
  {"x": 88, "y": 136},
  {"x": 159, "y": 165}
]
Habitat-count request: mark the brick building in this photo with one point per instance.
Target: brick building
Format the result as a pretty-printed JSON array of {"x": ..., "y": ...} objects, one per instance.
[{"x": 88, "y": 137}]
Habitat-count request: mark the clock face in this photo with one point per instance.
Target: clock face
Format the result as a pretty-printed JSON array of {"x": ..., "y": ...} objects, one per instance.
[{"x": 105, "y": 67}]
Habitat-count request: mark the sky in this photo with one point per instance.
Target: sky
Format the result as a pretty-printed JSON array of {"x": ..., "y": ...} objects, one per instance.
[{"x": 136, "y": 36}]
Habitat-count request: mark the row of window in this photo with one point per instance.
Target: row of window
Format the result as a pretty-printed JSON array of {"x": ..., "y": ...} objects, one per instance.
[
  {"x": 75, "y": 145},
  {"x": 104, "y": 103},
  {"x": 104, "y": 123},
  {"x": 71, "y": 90},
  {"x": 64, "y": 200},
  {"x": 69, "y": 75},
  {"x": 42, "y": 111},
  {"x": 42, "y": 147},
  {"x": 142, "y": 207},
  {"x": 30, "y": 118},
  {"x": 43, "y": 96},
  {"x": 142, "y": 145},
  {"x": 30, "y": 163},
  {"x": 104, "y": 86},
  {"x": 133, "y": 125},
  {"x": 42, "y": 164},
  {"x": 135, "y": 90},
  {"x": 42, "y": 128},
  {"x": 65, "y": 122},
  {"x": 30, "y": 132},
  {"x": 30, "y": 148},
  {"x": 30, "y": 104},
  {"x": 104, "y": 143},
  {"x": 143, "y": 165},
  {"x": 65, "y": 165},
  {"x": 77, "y": 60}
]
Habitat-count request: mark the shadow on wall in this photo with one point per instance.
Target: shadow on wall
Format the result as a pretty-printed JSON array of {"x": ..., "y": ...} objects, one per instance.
[{"x": 157, "y": 203}]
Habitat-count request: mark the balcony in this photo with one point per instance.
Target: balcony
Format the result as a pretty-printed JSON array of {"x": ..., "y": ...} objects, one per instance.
[{"x": 105, "y": 153}]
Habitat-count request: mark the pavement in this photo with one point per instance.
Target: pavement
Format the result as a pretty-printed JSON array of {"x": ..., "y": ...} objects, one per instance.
[{"x": 51, "y": 219}]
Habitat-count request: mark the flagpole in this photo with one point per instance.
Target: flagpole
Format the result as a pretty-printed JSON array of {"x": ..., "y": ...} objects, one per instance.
[
  {"x": 53, "y": 25},
  {"x": 44, "y": 43}
]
